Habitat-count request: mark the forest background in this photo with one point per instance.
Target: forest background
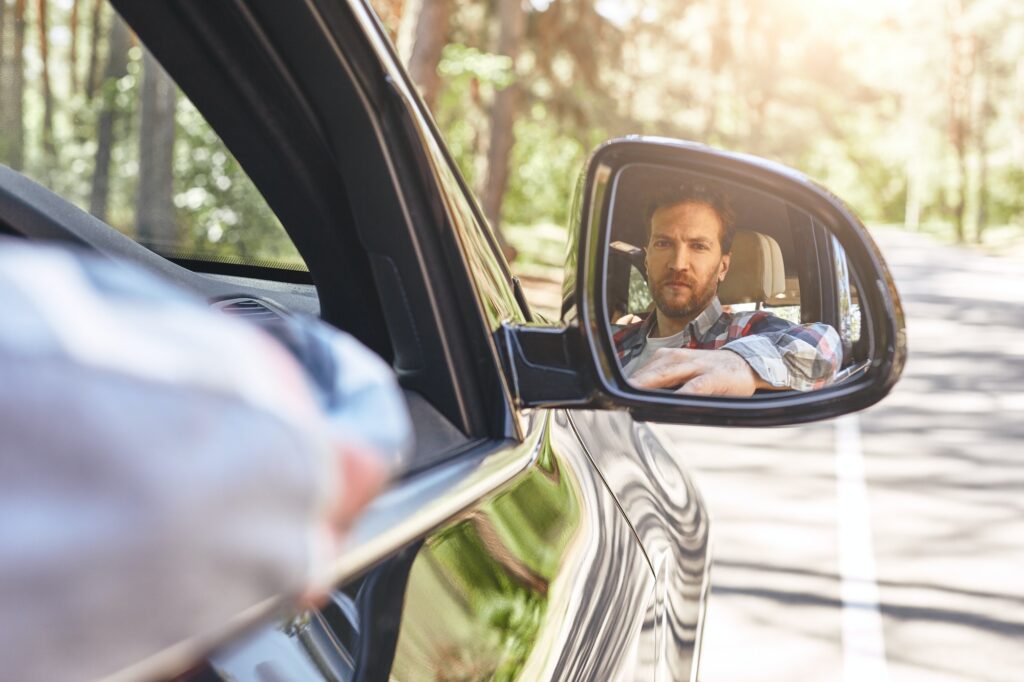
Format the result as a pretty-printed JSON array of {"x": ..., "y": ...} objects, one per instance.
[{"x": 910, "y": 110}]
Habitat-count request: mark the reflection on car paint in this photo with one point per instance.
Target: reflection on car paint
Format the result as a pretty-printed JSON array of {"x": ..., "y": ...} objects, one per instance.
[
  {"x": 493, "y": 287},
  {"x": 544, "y": 580},
  {"x": 485, "y": 575},
  {"x": 663, "y": 506}
]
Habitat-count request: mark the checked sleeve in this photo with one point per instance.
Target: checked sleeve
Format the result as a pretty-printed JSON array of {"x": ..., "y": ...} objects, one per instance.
[{"x": 800, "y": 357}]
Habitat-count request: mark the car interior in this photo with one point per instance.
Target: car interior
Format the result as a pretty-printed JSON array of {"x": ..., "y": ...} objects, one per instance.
[{"x": 256, "y": 293}]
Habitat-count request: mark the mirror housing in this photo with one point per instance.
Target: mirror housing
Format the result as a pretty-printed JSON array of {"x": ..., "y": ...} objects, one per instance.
[{"x": 576, "y": 364}]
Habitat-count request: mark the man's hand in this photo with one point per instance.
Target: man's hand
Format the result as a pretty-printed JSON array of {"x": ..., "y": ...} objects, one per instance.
[
  {"x": 699, "y": 372},
  {"x": 362, "y": 475}
]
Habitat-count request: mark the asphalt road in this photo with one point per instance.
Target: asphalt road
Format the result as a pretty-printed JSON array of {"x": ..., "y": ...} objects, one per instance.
[{"x": 889, "y": 546}]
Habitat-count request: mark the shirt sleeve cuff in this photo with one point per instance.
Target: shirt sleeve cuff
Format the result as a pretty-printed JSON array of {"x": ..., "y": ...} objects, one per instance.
[{"x": 763, "y": 357}]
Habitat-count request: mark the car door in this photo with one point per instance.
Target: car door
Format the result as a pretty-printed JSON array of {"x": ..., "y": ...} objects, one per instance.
[{"x": 501, "y": 552}]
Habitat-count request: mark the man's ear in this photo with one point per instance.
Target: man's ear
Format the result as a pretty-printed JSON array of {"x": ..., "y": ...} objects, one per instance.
[{"x": 723, "y": 268}]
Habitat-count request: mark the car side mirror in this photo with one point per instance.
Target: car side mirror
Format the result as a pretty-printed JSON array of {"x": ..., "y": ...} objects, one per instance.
[{"x": 678, "y": 245}]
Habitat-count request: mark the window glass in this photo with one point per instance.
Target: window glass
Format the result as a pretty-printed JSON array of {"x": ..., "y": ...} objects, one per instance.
[
  {"x": 90, "y": 114},
  {"x": 639, "y": 299},
  {"x": 849, "y": 301}
]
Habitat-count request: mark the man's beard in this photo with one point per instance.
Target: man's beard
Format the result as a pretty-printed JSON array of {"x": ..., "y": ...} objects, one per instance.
[{"x": 692, "y": 306}]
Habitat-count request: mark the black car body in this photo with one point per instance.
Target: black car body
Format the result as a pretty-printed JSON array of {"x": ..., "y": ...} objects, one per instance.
[{"x": 529, "y": 539}]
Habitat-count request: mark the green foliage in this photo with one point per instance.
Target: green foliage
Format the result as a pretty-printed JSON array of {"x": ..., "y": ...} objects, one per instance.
[
  {"x": 221, "y": 213},
  {"x": 471, "y": 78},
  {"x": 545, "y": 164},
  {"x": 639, "y": 297},
  {"x": 462, "y": 61},
  {"x": 1007, "y": 196},
  {"x": 519, "y": 615},
  {"x": 218, "y": 212},
  {"x": 861, "y": 96}
]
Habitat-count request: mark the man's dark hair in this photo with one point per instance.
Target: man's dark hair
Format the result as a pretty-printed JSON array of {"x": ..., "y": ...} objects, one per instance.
[{"x": 698, "y": 193}]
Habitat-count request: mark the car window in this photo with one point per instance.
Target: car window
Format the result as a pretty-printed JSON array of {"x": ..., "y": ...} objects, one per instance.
[
  {"x": 849, "y": 302},
  {"x": 90, "y": 114}
]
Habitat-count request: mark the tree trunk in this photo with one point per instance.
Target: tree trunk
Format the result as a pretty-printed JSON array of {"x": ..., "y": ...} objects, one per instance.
[
  {"x": 73, "y": 49},
  {"x": 431, "y": 36},
  {"x": 913, "y": 122},
  {"x": 117, "y": 66},
  {"x": 15, "y": 123},
  {"x": 3, "y": 45},
  {"x": 5, "y": 82},
  {"x": 764, "y": 82},
  {"x": 95, "y": 30},
  {"x": 154, "y": 213},
  {"x": 718, "y": 61},
  {"x": 961, "y": 71},
  {"x": 512, "y": 23},
  {"x": 960, "y": 198},
  {"x": 44, "y": 54},
  {"x": 985, "y": 116}
]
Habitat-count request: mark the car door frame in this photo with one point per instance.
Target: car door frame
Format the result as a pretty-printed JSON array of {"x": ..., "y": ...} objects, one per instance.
[{"x": 328, "y": 152}]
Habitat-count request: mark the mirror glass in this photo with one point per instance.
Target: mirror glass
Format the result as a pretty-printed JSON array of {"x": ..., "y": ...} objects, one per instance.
[{"x": 715, "y": 288}]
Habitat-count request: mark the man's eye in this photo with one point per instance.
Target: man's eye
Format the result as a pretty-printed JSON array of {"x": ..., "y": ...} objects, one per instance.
[{"x": 700, "y": 246}]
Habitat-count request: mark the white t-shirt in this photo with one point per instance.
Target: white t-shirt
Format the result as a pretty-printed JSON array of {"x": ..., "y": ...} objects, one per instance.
[{"x": 654, "y": 343}]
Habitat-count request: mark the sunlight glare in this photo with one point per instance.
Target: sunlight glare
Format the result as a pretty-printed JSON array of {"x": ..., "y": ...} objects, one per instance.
[{"x": 872, "y": 7}]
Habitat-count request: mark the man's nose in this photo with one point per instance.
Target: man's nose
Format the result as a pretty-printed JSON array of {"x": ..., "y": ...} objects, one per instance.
[{"x": 679, "y": 260}]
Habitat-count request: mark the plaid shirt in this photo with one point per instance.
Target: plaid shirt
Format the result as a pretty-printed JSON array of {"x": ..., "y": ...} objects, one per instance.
[{"x": 800, "y": 357}]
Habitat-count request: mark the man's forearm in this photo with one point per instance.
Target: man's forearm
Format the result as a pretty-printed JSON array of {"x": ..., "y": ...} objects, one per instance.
[
  {"x": 765, "y": 359},
  {"x": 802, "y": 358}
]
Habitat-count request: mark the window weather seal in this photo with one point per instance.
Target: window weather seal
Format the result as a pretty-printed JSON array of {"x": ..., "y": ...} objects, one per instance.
[{"x": 263, "y": 272}]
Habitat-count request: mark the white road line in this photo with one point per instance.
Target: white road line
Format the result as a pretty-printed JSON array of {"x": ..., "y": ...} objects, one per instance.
[{"x": 863, "y": 640}]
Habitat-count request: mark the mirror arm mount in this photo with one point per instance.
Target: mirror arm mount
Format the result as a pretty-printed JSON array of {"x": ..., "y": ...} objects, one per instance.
[{"x": 546, "y": 367}]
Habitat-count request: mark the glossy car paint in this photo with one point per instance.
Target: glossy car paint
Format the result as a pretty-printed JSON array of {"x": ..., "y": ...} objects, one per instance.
[
  {"x": 669, "y": 517},
  {"x": 542, "y": 580},
  {"x": 590, "y": 563},
  {"x": 546, "y": 577}
]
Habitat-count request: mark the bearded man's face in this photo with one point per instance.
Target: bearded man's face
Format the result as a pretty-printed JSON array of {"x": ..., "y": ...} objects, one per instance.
[{"x": 685, "y": 262}]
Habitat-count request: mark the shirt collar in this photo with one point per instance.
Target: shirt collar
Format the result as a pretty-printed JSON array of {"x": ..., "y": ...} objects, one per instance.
[
  {"x": 697, "y": 328},
  {"x": 703, "y": 322}
]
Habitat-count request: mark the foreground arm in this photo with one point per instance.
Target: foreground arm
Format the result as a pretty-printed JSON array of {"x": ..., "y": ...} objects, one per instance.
[{"x": 165, "y": 467}]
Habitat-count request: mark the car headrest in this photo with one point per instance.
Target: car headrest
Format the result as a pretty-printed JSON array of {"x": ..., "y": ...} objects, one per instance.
[{"x": 756, "y": 270}]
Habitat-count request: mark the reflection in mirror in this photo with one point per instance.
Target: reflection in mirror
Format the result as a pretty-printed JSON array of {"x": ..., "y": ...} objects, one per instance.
[{"x": 714, "y": 288}]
